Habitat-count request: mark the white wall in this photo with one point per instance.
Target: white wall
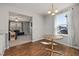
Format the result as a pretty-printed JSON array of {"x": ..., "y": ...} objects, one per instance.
[
  {"x": 38, "y": 28},
  {"x": 2, "y": 47},
  {"x": 4, "y": 18},
  {"x": 3, "y": 28},
  {"x": 48, "y": 24},
  {"x": 76, "y": 25}
]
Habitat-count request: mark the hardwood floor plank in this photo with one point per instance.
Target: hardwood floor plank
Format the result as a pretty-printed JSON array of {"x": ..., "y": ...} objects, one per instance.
[{"x": 37, "y": 49}]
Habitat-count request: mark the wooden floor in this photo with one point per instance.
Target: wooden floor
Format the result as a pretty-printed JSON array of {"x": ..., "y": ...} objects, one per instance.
[{"x": 38, "y": 49}]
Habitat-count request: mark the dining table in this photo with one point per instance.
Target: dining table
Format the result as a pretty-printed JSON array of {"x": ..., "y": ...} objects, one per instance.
[{"x": 52, "y": 38}]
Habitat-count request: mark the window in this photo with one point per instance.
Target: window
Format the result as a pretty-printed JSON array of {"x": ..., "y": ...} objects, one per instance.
[{"x": 61, "y": 26}]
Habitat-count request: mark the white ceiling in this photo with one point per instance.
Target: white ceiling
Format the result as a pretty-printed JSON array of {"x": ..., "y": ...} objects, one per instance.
[{"x": 40, "y": 8}]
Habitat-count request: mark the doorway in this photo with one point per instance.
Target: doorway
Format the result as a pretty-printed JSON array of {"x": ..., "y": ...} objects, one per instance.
[{"x": 20, "y": 29}]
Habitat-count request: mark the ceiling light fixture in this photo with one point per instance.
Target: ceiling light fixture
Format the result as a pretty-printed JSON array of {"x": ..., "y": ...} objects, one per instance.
[
  {"x": 49, "y": 12},
  {"x": 53, "y": 14},
  {"x": 52, "y": 11},
  {"x": 16, "y": 19},
  {"x": 56, "y": 11}
]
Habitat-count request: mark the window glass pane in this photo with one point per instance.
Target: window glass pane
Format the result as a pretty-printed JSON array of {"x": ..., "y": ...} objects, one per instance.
[{"x": 61, "y": 26}]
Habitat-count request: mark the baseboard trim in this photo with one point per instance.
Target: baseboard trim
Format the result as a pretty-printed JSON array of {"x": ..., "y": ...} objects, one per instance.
[
  {"x": 76, "y": 47},
  {"x": 37, "y": 40},
  {"x": 34, "y": 40},
  {"x": 2, "y": 53}
]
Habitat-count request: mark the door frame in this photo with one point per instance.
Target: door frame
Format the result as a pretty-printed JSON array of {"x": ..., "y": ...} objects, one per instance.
[{"x": 9, "y": 29}]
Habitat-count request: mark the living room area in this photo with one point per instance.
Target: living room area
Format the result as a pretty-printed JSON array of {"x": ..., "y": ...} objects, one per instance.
[{"x": 20, "y": 28}]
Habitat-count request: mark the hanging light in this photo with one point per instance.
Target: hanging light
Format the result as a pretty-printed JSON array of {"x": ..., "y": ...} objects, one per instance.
[
  {"x": 16, "y": 19},
  {"x": 52, "y": 11},
  {"x": 49, "y": 12},
  {"x": 53, "y": 14},
  {"x": 56, "y": 11}
]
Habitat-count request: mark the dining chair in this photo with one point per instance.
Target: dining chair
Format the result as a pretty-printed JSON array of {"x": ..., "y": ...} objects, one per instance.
[{"x": 50, "y": 41}]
